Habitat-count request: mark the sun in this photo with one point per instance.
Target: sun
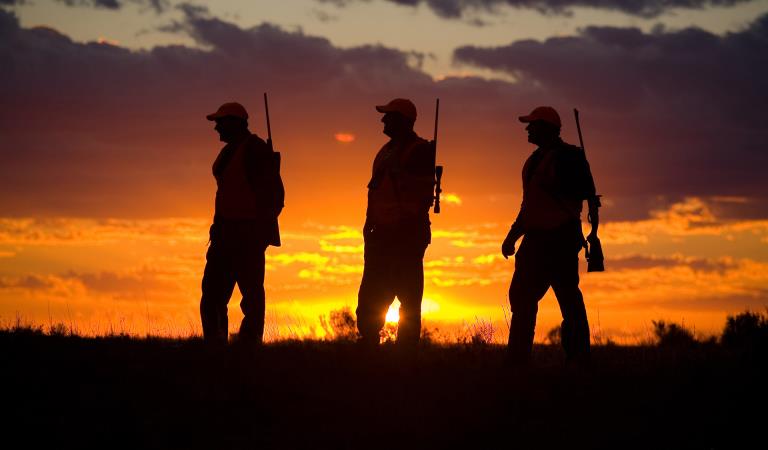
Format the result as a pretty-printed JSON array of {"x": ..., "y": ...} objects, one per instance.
[{"x": 393, "y": 314}]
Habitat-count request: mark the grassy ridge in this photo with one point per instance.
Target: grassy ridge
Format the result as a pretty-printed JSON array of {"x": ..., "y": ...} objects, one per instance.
[{"x": 71, "y": 392}]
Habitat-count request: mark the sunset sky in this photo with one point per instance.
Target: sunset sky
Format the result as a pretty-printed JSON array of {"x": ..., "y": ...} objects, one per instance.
[{"x": 106, "y": 190}]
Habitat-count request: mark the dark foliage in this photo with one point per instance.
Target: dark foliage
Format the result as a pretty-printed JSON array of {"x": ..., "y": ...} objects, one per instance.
[
  {"x": 746, "y": 330},
  {"x": 672, "y": 334}
]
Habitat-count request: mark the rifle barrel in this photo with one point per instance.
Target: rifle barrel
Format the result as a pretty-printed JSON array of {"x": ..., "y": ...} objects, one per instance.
[
  {"x": 438, "y": 169},
  {"x": 266, "y": 108},
  {"x": 578, "y": 128},
  {"x": 437, "y": 114}
]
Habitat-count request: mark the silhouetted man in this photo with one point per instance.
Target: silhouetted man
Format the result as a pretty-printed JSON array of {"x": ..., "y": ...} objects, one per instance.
[
  {"x": 396, "y": 230},
  {"x": 249, "y": 197},
  {"x": 556, "y": 180}
]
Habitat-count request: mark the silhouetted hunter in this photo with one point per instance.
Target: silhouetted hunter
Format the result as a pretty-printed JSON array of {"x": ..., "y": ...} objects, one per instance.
[
  {"x": 397, "y": 228},
  {"x": 556, "y": 181},
  {"x": 249, "y": 197}
]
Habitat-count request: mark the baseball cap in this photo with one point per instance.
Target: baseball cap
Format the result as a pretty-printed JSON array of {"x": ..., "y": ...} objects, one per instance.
[
  {"x": 233, "y": 109},
  {"x": 543, "y": 113},
  {"x": 399, "y": 105}
]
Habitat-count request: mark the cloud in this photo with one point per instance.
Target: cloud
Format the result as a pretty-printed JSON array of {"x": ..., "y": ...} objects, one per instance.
[
  {"x": 452, "y": 199},
  {"x": 455, "y": 9},
  {"x": 336, "y": 248},
  {"x": 158, "y": 6},
  {"x": 323, "y": 16},
  {"x": 96, "y": 130},
  {"x": 131, "y": 284},
  {"x": 106, "y": 149},
  {"x": 733, "y": 287},
  {"x": 640, "y": 262},
  {"x": 691, "y": 217},
  {"x": 29, "y": 282},
  {"x": 344, "y": 138},
  {"x": 65, "y": 231},
  {"x": 668, "y": 96}
]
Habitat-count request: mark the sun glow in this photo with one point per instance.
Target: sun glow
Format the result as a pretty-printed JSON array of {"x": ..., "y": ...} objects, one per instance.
[
  {"x": 393, "y": 314},
  {"x": 344, "y": 138}
]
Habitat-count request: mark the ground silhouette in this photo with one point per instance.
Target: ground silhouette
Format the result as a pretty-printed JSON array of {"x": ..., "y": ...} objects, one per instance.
[{"x": 71, "y": 392}]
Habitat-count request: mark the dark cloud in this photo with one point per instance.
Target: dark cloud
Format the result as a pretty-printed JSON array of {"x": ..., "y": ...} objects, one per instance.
[
  {"x": 455, "y": 9},
  {"x": 94, "y": 129},
  {"x": 30, "y": 282},
  {"x": 127, "y": 284},
  {"x": 156, "y": 5},
  {"x": 323, "y": 16},
  {"x": 754, "y": 299},
  {"x": 678, "y": 111},
  {"x": 11, "y": 2},
  {"x": 97, "y": 130},
  {"x": 640, "y": 262}
]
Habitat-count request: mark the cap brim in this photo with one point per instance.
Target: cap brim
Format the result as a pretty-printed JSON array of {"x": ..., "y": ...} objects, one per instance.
[
  {"x": 212, "y": 117},
  {"x": 525, "y": 119},
  {"x": 383, "y": 109}
]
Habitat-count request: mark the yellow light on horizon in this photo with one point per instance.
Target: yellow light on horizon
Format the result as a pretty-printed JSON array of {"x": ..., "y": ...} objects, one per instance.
[{"x": 452, "y": 199}]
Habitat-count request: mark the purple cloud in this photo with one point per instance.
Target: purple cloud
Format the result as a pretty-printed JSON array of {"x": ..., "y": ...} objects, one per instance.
[
  {"x": 682, "y": 108},
  {"x": 97, "y": 130},
  {"x": 456, "y": 9},
  {"x": 158, "y": 6}
]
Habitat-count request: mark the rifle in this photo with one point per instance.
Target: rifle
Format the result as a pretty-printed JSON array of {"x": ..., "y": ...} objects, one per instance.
[
  {"x": 438, "y": 169},
  {"x": 277, "y": 181},
  {"x": 592, "y": 246},
  {"x": 269, "y": 136}
]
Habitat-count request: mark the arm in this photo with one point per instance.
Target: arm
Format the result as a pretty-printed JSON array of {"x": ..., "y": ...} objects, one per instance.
[{"x": 516, "y": 231}]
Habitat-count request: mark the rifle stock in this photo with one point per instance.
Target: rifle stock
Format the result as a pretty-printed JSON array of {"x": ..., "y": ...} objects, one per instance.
[{"x": 592, "y": 246}]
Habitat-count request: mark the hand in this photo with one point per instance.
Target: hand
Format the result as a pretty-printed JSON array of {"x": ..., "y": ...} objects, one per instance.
[
  {"x": 508, "y": 246},
  {"x": 592, "y": 235}
]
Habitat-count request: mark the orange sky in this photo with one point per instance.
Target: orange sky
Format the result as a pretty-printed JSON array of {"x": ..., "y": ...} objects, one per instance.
[
  {"x": 106, "y": 189},
  {"x": 136, "y": 274}
]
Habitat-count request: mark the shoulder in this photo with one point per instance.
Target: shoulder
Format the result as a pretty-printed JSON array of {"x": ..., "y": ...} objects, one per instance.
[
  {"x": 420, "y": 144},
  {"x": 568, "y": 148},
  {"x": 569, "y": 152},
  {"x": 254, "y": 142}
]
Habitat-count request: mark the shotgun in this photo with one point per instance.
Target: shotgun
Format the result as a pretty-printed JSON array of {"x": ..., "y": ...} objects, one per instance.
[
  {"x": 438, "y": 169},
  {"x": 269, "y": 135},
  {"x": 275, "y": 176},
  {"x": 592, "y": 246}
]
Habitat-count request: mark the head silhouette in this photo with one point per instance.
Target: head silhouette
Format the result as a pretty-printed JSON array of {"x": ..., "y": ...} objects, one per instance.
[
  {"x": 396, "y": 125},
  {"x": 399, "y": 117},
  {"x": 543, "y": 126},
  {"x": 231, "y": 129},
  {"x": 542, "y": 133},
  {"x": 231, "y": 122}
]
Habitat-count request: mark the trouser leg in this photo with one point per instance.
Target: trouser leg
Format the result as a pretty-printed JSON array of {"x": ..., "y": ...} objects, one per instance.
[
  {"x": 250, "y": 280},
  {"x": 375, "y": 294},
  {"x": 218, "y": 283},
  {"x": 575, "y": 327},
  {"x": 529, "y": 284},
  {"x": 410, "y": 290}
]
